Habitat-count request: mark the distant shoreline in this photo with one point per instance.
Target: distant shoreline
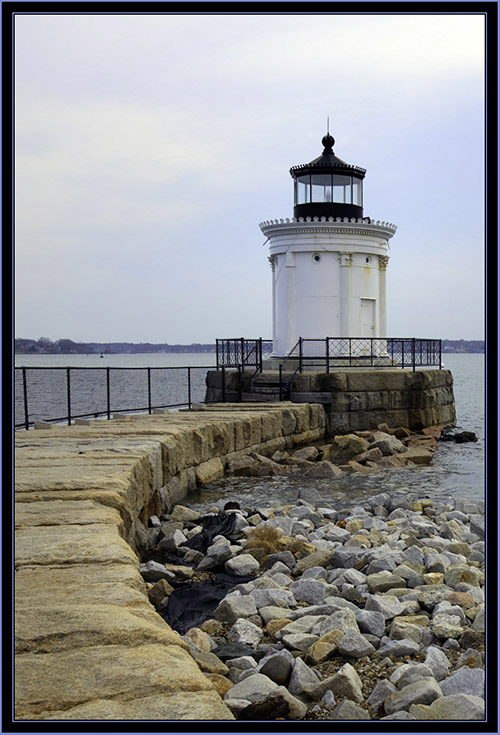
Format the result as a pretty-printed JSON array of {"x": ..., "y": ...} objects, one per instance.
[{"x": 45, "y": 346}]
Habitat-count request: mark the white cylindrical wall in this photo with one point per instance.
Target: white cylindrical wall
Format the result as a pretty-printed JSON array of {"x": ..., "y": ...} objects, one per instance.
[{"x": 328, "y": 280}]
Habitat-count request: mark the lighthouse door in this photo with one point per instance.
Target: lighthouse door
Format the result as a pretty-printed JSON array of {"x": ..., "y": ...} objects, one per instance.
[{"x": 367, "y": 318}]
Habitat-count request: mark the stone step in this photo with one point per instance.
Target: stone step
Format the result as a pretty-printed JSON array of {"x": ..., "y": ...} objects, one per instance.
[{"x": 259, "y": 397}]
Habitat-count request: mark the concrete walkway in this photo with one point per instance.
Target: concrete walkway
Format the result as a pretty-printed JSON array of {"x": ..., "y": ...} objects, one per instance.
[{"x": 88, "y": 643}]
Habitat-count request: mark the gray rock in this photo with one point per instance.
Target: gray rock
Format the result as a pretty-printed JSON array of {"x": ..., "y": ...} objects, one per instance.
[
  {"x": 348, "y": 710},
  {"x": 411, "y": 674},
  {"x": 477, "y": 525},
  {"x": 355, "y": 645},
  {"x": 446, "y": 626},
  {"x": 278, "y": 597},
  {"x": 382, "y": 499},
  {"x": 236, "y": 705},
  {"x": 464, "y": 681},
  {"x": 383, "y": 581},
  {"x": 243, "y": 631},
  {"x": 242, "y": 662},
  {"x": 283, "y": 522},
  {"x": 254, "y": 688},
  {"x": 438, "y": 662},
  {"x": 457, "y": 573},
  {"x": 423, "y": 691},
  {"x": 233, "y": 607},
  {"x": 370, "y": 621},
  {"x": 389, "y": 445},
  {"x": 381, "y": 564},
  {"x": 380, "y": 693},
  {"x": 309, "y": 453},
  {"x": 282, "y": 579},
  {"x": 451, "y": 707},
  {"x": 183, "y": 513},
  {"x": 301, "y": 677},
  {"x": 323, "y": 469},
  {"x": 273, "y": 612},
  {"x": 446, "y": 608},
  {"x": 278, "y": 668},
  {"x": 400, "y": 630},
  {"x": 353, "y": 576},
  {"x": 345, "y": 558},
  {"x": 388, "y": 605},
  {"x": 243, "y": 564},
  {"x": 403, "y": 647},
  {"x": 342, "y": 620},
  {"x": 400, "y": 715},
  {"x": 315, "y": 573},
  {"x": 345, "y": 683},
  {"x": 479, "y": 622},
  {"x": 153, "y": 571},
  {"x": 172, "y": 541},
  {"x": 285, "y": 557},
  {"x": 310, "y": 590},
  {"x": 413, "y": 554},
  {"x": 303, "y": 624},
  {"x": 309, "y": 495},
  {"x": 299, "y": 641},
  {"x": 335, "y": 533}
]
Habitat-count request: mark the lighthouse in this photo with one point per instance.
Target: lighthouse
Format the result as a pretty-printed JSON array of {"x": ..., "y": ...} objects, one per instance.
[{"x": 329, "y": 261}]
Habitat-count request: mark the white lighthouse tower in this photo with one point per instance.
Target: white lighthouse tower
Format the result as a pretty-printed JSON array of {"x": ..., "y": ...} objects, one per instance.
[{"x": 329, "y": 262}]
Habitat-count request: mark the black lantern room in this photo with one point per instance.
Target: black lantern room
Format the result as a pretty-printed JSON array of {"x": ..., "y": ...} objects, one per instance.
[{"x": 327, "y": 186}]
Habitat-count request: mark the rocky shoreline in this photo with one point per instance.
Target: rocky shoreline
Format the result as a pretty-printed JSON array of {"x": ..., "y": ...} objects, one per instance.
[{"x": 373, "y": 612}]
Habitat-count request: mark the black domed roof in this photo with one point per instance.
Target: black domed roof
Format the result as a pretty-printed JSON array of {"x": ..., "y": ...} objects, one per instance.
[{"x": 328, "y": 160}]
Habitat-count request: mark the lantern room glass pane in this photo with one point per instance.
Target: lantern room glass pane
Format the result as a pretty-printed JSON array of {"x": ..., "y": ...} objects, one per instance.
[
  {"x": 357, "y": 192},
  {"x": 303, "y": 192},
  {"x": 321, "y": 188},
  {"x": 342, "y": 189}
]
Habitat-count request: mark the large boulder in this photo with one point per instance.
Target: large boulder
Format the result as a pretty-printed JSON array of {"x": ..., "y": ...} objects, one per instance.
[{"x": 346, "y": 447}]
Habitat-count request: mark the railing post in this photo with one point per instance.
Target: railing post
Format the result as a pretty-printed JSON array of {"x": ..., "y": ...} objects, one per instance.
[
  {"x": 189, "y": 387},
  {"x": 149, "y": 390},
  {"x": 300, "y": 355},
  {"x": 108, "y": 397},
  {"x": 68, "y": 394},
  {"x": 327, "y": 355},
  {"x": 217, "y": 353},
  {"x": 350, "y": 352},
  {"x": 281, "y": 388},
  {"x": 25, "y": 396},
  {"x": 239, "y": 384},
  {"x": 413, "y": 352},
  {"x": 260, "y": 354},
  {"x": 440, "y": 355},
  {"x": 371, "y": 351},
  {"x": 242, "y": 351},
  {"x": 223, "y": 384}
]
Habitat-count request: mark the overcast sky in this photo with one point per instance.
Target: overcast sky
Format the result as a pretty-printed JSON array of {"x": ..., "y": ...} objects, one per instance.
[{"x": 149, "y": 148}]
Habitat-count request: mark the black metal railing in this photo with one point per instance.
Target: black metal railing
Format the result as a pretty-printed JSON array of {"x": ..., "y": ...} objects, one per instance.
[
  {"x": 242, "y": 352},
  {"x": 336, "y": 352},
  {"x": 325, "y": 354},
  {"x": 63, "y": 394}
]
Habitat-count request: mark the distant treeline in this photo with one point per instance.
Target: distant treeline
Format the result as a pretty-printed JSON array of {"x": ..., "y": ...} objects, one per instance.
[
  {"x": 67, "y": 347},
  {"x": 463, "y": 345}
]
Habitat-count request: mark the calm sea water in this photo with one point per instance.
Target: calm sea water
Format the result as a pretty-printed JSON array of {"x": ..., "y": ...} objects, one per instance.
[
  {"x": 128, "y": 381},
  {"x": 457, "y": 470}
]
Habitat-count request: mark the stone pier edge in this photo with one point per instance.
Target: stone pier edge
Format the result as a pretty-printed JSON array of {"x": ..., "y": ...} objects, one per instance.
[{"x": 88, "y": 643}]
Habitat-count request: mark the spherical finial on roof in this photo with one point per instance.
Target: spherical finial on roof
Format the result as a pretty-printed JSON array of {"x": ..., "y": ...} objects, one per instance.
[{"x": 328, "y": 142}]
